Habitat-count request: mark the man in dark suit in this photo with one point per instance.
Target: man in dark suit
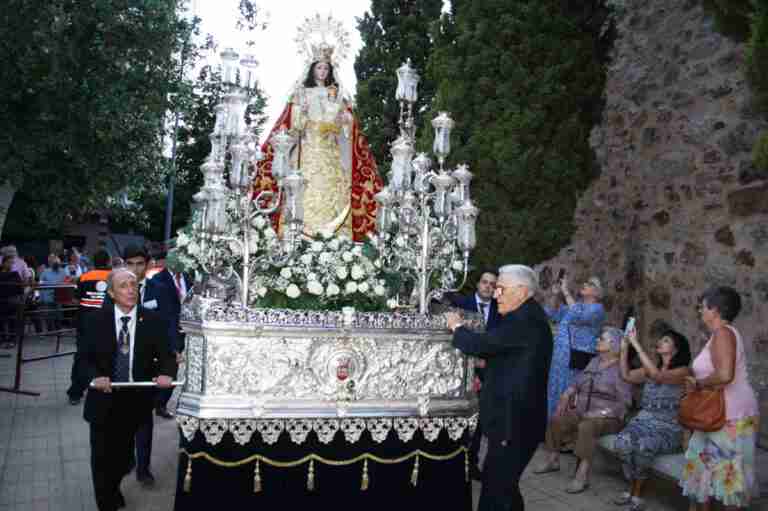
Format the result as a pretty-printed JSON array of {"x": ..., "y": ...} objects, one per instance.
[
  {"x": 155, "y": 296},
  {"x": 177, "y": 284},
  {"x": 123, "y": 343},
  {"x": 513, "y": 404},
  {"x": 481, "y": 301}
]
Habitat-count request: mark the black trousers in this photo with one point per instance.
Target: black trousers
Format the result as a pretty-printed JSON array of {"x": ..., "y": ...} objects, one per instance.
[
  {"x": 144, "y": 432},
  {"x": 504, "y": 464},
  {"x": 111, "y": 443}
]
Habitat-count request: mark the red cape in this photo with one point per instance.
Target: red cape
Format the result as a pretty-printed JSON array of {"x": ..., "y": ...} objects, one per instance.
[{"x": 366, "y": 181}]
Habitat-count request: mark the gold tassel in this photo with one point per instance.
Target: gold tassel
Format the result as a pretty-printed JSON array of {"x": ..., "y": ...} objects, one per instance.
[
  {"x": 257, "y": 478},
  {"x": 311, "y": 476},
  {"x": 466, "y": 466},
  {"x": 365, "y": 481},
  {"x": 415, "y": 472},
  {"x": 188, "y": 476}
]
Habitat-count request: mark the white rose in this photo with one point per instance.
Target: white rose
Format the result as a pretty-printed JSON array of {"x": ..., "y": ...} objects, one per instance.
[
  {"x": 315, "y": 288},
  {"x": 341, "y": 272},
  {"x": 347, "y": 257},
  {"x": 306, "y": 258},
  {"x": 192, "y": 248},
  {"x": 262, "y": 291},
  {"x": 350, "y": 288},
  {"x": 332, "y": 290},
  {"x": 182, "y": 239},
  {"x": 259, "y": 222},
  {"x": 333, "y": 244},
  {"x": 311, "y": 276},
  {"x": 253, "y": 244},
  {"x": 357, "y": 250},
  {"x": 400, "y": 241},
  {"x": 293, "y": 291},
  {"x": 357, "y": 272},
  {"x": 377, "y": 263},
  {"x": 270, "y": 232},
  {"x": 379, "y": 290},
  {"x": 317, "y": 246},
  {"x": 326, "y": 257},
  {"x": 458, "y": 265},
  {"x": 363, "y": 287},
  {"x": 286, "y": 273},
  {"x": 391, "y": 303}
]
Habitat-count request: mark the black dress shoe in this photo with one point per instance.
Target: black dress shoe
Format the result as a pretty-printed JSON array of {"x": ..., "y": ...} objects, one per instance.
[
  {"x": 74, "y": 401},
  {"x": 164, "y": 413},
  {"x": 147, "y": 480}
]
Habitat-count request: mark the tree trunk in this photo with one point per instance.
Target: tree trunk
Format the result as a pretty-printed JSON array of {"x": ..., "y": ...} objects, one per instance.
[{"x": 7, "y": 191}]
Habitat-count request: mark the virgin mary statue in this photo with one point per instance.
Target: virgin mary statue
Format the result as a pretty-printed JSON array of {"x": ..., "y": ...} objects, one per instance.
[{"x": 331, "y": 152}]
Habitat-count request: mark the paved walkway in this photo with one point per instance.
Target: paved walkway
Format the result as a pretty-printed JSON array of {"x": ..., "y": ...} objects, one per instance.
[{"x": 44, "y": 456}]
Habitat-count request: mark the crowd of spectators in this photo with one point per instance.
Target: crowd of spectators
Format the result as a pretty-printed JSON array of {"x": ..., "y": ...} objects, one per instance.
[{"x": 604, "y": 381}]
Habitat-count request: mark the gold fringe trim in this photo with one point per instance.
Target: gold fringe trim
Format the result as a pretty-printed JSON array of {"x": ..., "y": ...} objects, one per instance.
[
  {"x": 257, "y": 478},
  {"x": 314, "y": 457},
  {"x": 311, "y": 476},
  {"x": 188, "y": 475},
  {"x": 365, "y": 481},
  {"x": 415, "y": 472}
]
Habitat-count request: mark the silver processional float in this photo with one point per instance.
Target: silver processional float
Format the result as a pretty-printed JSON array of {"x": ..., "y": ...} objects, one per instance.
[{"x": 290, "y": 335}]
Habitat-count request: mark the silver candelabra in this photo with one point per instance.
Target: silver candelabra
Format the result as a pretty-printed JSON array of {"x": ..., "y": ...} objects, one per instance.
[
  {"x": 228, "y": 210},
  {"x": 425, "y": 217}
]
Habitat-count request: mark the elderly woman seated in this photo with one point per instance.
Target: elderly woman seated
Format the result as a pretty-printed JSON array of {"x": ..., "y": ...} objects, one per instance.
[{"x": 594, "y": 405}]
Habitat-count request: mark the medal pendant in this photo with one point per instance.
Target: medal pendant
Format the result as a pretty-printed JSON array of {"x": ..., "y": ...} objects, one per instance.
[{"x": 124, "y": 348}]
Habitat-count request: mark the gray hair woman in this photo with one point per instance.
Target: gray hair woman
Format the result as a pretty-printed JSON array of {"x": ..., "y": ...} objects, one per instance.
[{"x": 593, "y": 406}]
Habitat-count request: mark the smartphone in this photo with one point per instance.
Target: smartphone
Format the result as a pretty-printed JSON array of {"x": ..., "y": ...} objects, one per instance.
[{"x": 630, "y": 325}]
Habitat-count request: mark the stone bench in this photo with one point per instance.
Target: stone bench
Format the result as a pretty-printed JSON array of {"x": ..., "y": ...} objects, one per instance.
[{"x": 670, "y": 466}]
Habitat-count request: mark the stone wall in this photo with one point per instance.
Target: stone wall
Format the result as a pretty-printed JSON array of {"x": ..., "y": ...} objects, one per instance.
[{"x": 678, "y": 206}]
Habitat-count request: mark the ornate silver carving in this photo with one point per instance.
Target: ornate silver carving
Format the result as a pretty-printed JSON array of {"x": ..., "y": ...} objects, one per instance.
[
  {"x": 430, "y": 428},
  {"x": 298, "y": 429},
  {"x": 242, "y": 430},
  {"x": 352, "y": 429},
  {"x": 194, "y": 363},
  {"x": 472, "y": 422},
  {"x": 270, "y": 430},
  {"x": 221, "y": 312},
  {"x": 188, "y": 425},
  {"x": 379, "y": 428},
  {"x": 213, "y": 430},
  {"x": 455, "y": 427},
  {"x": 325, "y": 429},
  {"x": 406, "y": 427}
]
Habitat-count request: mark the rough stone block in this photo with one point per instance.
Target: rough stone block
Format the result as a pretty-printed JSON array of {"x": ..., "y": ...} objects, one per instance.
[{"x": 749, "y": 201}]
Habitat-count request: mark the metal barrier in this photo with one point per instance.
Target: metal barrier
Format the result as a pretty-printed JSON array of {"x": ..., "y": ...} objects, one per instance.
[{"x": 27, "y": 313}]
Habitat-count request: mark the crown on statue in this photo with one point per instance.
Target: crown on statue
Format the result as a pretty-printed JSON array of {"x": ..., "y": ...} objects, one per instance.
[
  {"x": 322, "y": 52},
  {"x": 322, "y": 39}
]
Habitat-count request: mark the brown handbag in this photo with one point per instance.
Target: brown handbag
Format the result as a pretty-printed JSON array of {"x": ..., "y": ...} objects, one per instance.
[{"x": 703, "y": 410}]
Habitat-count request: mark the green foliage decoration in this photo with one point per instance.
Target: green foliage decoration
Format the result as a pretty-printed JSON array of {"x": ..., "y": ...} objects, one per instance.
[{"x": 524, "y": 82}]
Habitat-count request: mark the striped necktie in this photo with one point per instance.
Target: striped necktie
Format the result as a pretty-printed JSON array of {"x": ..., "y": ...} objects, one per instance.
[{"x": 123, "y": 353}]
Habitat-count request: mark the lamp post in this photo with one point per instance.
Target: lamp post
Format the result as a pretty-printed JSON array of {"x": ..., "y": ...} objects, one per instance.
[{"x": 425, "y": 216}]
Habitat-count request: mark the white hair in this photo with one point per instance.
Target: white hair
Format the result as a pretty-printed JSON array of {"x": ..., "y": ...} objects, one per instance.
[
  {"x": 521, "y": 275},
  {"x": 114, "y": 273}
]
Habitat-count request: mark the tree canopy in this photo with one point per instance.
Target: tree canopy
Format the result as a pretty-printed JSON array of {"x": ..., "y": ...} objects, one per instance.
[
  {"x": 84, "y": 91},
  {"x": 393, "y": 31},
  {"x": 523, "y": 81}
]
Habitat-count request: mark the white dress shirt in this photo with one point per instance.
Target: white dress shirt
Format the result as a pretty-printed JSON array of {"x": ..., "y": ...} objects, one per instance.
[
  {"x": 480, "y": 309},
  {"x": 133, "y": 314}
]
